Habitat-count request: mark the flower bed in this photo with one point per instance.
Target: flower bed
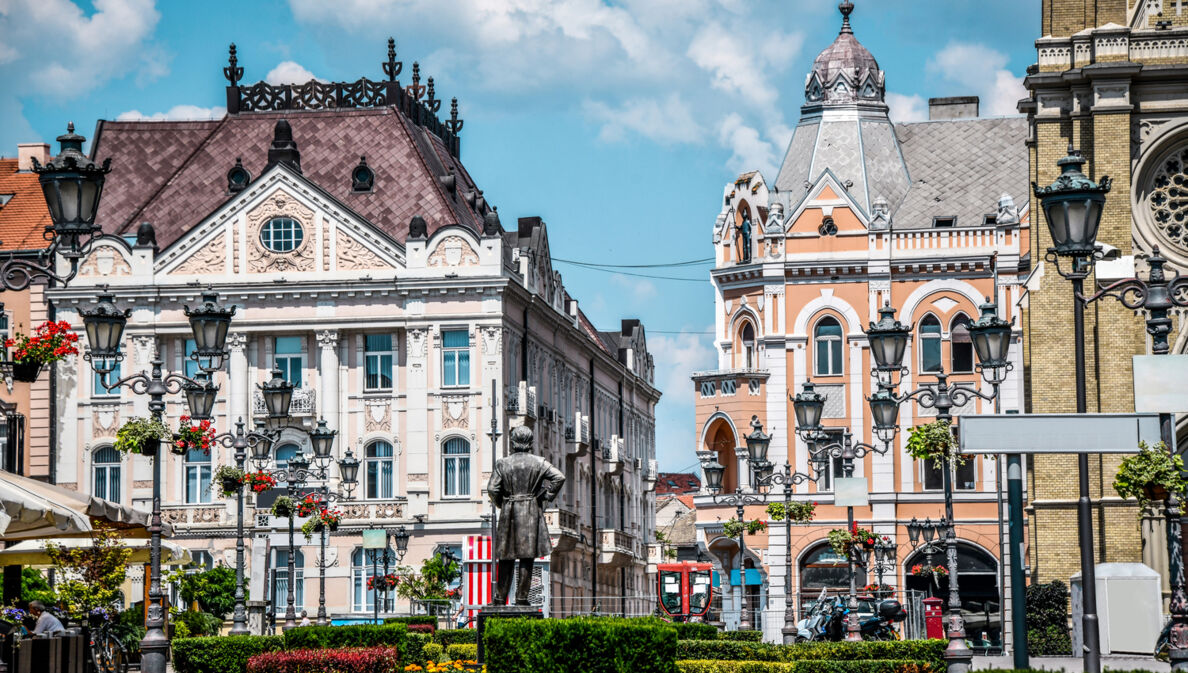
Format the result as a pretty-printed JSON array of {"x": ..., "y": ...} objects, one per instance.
[{"x": 348, "y": 660}]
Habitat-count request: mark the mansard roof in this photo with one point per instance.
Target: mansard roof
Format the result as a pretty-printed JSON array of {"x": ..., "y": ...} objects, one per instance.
[{"x": 173, "y": 174}]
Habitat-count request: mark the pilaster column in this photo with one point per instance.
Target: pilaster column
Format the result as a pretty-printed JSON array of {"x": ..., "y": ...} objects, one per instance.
[
  {"x": 328, "y": 377},
  {"x": 237, "y": 379}
]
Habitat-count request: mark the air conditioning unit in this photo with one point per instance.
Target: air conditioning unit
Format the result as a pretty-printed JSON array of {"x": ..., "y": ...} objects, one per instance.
[{"x": 638, "y": 463}]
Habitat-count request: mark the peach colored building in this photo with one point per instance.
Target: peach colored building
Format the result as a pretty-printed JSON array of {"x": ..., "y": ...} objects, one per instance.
[{"x": 863, "y": 211}]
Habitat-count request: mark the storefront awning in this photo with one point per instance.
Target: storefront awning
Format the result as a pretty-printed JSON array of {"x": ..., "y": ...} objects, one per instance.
[
  {"x": 32, "y": 552},
  {"x": 35, "y": 509}
]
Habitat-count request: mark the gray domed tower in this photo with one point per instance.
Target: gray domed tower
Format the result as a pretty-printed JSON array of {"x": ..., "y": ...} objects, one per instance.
[{"x": 844, "y": 127}]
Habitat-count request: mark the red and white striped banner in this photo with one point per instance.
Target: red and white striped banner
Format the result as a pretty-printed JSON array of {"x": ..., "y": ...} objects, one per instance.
[{"x": 476, "y": 574}]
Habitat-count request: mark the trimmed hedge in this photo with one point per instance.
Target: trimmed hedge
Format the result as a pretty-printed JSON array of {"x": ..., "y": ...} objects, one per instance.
[
  {"x": 696, "y": 631},
  {"x": 447, "y": 637},
  {"x": 462, "y": 652},
  {"x": 349, "y": 660},
  {"x": 338, "y": 637},
  {"x": 807, "y": 666},
  {"x": 586, "y": 644},
  {"x": 221, "y": 654},
  {"x": 927, "y": 651},
  {"x": 414, "y": 619},
  {"x": 413, "y": 650},
  {"x": 743, "y": 636},
  {"x": 431, "y": 652}
]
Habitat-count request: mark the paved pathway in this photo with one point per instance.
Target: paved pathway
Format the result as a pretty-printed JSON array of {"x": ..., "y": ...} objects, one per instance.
[{"x": 1073, "y": 665}]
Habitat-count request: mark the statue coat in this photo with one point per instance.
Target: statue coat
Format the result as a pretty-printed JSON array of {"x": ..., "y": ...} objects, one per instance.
[{"x": 520, "y": 486}]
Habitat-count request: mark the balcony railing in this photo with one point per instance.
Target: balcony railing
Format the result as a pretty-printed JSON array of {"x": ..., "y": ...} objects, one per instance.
[
  {"x": 304, "y": 403},
  {"x": 612, "y": 453},
  {"x": 577, "y": 434},
  {"x": 617, "y": 548},
  {"x": 523, "y": 403}
]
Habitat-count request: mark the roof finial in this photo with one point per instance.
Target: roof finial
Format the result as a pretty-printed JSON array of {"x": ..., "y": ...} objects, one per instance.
[
  {"x": 392, "y": 67},
  {"x": 233, "y": 72},
  {"x": 845, "y": 8}
]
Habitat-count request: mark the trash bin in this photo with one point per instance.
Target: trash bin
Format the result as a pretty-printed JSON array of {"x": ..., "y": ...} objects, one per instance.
[{"x": 1129, "y": 608}]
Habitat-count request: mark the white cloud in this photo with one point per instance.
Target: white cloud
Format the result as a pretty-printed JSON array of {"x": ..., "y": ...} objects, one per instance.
[
  {"x": 749, "y": 150},
  {"x": 288, "y": 72},
  {"x": 84, "y": 51},
  {"x": 637, "y": 289},
  {"x": 677, "y": 357},
  {"x": 667, "y": 121},
  {"x": 981, "y": 70},
  {"x": 176, "y": 113},
  {"x": 911, "y": 108},
  {"x": 739, "y": 62}
]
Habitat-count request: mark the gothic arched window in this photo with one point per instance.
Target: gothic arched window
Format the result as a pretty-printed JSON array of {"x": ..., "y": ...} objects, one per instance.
[{"x": 827, "y": 341}]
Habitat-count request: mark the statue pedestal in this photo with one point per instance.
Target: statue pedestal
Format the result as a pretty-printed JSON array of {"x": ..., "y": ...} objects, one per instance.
[{"x": 503, "y": 612}]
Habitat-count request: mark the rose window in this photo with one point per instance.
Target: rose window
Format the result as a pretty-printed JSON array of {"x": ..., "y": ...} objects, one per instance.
[{"x": 1168, "y": 197}]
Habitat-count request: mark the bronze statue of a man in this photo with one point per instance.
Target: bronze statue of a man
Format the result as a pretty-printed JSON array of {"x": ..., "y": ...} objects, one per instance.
[{"x": 520, "y": 486}]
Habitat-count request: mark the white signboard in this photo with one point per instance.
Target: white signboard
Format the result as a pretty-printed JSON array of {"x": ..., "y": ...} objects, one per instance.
[
  {"x": 1056, "y": 433},
  {"x": 851, "y": 492},
  {"x": 1161, "y": 384}
]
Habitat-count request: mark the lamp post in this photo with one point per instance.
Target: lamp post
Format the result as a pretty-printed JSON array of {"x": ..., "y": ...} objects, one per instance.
[
  {"x": 926, "y": 530},
  {"x": 105, "y": 327},
  {"x": 401, "y": 536},
  {"x": 888, "y": 342},
  {"x": 348, "y": 471},
  {"x": 808, "y": 405},
  {"x": 881, "y": 559},
  {"x": 757, "y": 444},
  {"x": 1072, "y": 206}
]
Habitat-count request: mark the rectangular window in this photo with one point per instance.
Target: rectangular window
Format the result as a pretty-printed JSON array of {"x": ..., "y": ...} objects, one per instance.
[
  {"x": 729, "y": 387},
  {"x": 964, "y": 478},
  {"x": 455, "y": 358},
  {"x": 290, "y": 358},
  {"x": 198, "y": 482},
  {"x": 456, "y": 468},
  {"x": 378, "y": 358},
  {"x": 190, "y": 366},
  {"x": 708, "y": 389},
  {"x": 99, "y": 390}
]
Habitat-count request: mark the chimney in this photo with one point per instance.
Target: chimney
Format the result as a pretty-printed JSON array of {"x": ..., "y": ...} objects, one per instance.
[
  {"x": 283, "y": 150},
  {"x": 955, "y": 107},
  {"x": 27, "y": 152}
]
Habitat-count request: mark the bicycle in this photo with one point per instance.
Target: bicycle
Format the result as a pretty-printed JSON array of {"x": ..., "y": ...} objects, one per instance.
[{"x": 108, "y": 654}]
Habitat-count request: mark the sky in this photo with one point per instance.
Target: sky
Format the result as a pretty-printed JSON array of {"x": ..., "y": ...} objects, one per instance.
[{"x": 618, "y": 122}]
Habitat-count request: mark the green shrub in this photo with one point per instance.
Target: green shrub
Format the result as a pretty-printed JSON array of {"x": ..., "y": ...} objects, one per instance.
[
  {"x": 414, "y": 619},
  {"x": 198, "y": 623},
  {"x": 696, "y": 631},
  {"x": 413, "y": 651},
  {"x": 586, "y": 644},
  {"x": 356, "y": 635},
  {"x": 928, "y": 651},
  {"x": 450, "y": 636},
  {"x": 807, "y": 666},
  {"x": 1047, "y": 619},
  {"x": 462, "y": 651},
  {"x": 220, "y": 654},
  {"x": 744, "y": 636},
  {"x": 430, "y": 653}
]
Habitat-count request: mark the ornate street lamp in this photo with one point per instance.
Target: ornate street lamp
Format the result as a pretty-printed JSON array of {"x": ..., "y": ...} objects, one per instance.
[
  {"x": 72, "y": 185},
  {"x": 757, "y": 442},
  {"x": 348, "y": 468},
  {"x": 322, "y": 439},
  {"x": 713, "y": 475},
  {"x": 1073, "y": 206},
  {"x": 884, "y": 409},
  {"x": 104, "y": 326},
  {"x": 888, "y": 340},
  {"x": 808, "y": 405},
  {"x": 200, "y": 396},
  {"x": 401, "y": 536},
  {"x": 278, "y": 395},
  {"x": 210, "y": 322},
  {"x": 991, "y": 336}
]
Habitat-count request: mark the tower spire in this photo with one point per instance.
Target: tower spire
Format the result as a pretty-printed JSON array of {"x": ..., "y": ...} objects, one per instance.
[{"x": 845, "y": 8}]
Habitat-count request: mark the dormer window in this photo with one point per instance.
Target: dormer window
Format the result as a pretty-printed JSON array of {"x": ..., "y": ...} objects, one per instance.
[
  {"x": 362, "y": 178},
  {"x": 944, "y": 221},
  {"x": 238, "y": 177}
]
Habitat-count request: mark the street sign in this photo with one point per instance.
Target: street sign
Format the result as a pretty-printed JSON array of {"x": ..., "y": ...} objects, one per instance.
[
  {"x": 1161, "y": 384},
  {"x": 375, "y": 538},
  {"x": 1056, "y": 433},
  {"x": 850, "y": 492}
]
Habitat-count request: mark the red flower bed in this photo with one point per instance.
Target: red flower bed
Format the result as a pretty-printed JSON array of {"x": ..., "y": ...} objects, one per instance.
[
  {"x": 421, "y": 628},
  {"x": 349, "y": 660}
]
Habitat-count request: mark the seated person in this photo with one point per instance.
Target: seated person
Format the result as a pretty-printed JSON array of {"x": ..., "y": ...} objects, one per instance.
[{"x": 47, "y": 624}]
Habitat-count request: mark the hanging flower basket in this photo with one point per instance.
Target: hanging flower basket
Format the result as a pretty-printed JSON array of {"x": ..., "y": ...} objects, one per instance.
[
  {"x": 259, "y": 481},
  {"x": 51, "y": 341},
  {"x": 229, "y": 480},
  {"x": 26, "y": 372},
  {"x": 331, "y": 518},
  {"x": 283, "y": 507},
  {"x": 1150, "y": 475},
  {"x": 191, "y": 437},
  {"x": 845, "y": 541},
  {"x": 934, "y": 442},
  {"x": 310, "y": 505},
  {"x": 879, "y": 590},
  {"x": 796, "y": 512},
  {"x": 935, "y": 573},
  {"x": 141, "y": 435},
  {"x": 383, "y": 583}
]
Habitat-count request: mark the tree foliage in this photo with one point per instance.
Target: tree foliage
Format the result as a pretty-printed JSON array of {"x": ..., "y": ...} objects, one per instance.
[
  {"x": 34, "y": 587},
  {"x": 92, "y": 576},
  {"x": 432, "y": 582},
  {"x": 213, "y": 590}
]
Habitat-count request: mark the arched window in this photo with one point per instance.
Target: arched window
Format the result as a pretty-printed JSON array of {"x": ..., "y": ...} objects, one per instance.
[
  {"x": 106, "y": 470},
  {"x": 827, "y": 340},
  {"x": 748, "y": 343},
  {"x": 280, "y": 580},
  {"x": 456, "y": 468},
  {"x": 380, "y": 470},
  {"x": 362, "y": 568},
  {"x": 197, "y": 476},
  {"x": 930, "y": 344},
  {"x": 283, "y": 453},
  {"x": 960, "y": 345},
  {"x": 823, "y": 568}
]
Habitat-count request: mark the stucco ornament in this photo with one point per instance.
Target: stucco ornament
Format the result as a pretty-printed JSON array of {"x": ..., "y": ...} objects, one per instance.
[
  {"x": 354, "y": 256},
  {"x": 453, "y": 251},
  {"x": 263, "y": 260},
  {"x": 105, "y": 261},
  {"x": 211, "y": 258}
]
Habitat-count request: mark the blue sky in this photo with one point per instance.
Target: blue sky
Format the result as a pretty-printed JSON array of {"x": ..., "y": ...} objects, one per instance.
[{"x": 617, "y": 122}]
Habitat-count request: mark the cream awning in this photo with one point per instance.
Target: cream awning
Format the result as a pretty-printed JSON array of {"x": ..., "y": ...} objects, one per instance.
[
  {"x": 35, "y": 509},
  {"x": 32, "y": 552}
]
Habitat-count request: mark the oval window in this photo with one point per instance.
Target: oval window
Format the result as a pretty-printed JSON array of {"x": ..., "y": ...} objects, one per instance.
[{"x": 281, "y": 234}]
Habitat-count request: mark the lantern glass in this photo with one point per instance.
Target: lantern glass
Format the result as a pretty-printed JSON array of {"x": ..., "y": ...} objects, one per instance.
[
  {"x": 761, "y": 470},
  {"x": 808, "y": 406},
  {"x": 991, "y": 336},
  {"x": 884, "y": 409},
  {"x": 928, "y": 530},
  {"x": 104, "y": 325},
  {"x": 72, "y": 184},
  {"x": 322, "y": 439},
  {"x": 888, "y": 340},
  {"x": 400, "y": 537},
  {"x": 913, "y": 529},
  {"x": 210, "y": 322},
  {"x": 348, "y": 468},
  {"x": 713, "y": 475},
  {"x": 200, "y": 396},
  {"x": 1073, "y": 206},
  {"x": 757, "y": 442},
  {"x": 278, "y": 395}
]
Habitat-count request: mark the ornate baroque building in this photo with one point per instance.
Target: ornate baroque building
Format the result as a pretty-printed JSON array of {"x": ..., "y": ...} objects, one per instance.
[
  {"x": 1111, "y": 79},
  {"x": 930, "y": 217},
  {"x": 370, "y": 269}
]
